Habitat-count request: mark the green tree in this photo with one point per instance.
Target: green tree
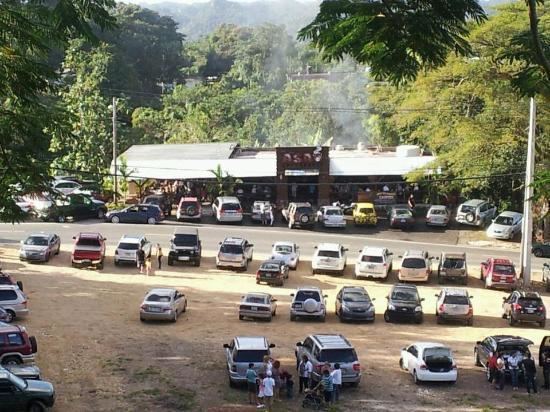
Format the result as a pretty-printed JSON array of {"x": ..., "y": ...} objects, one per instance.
[{"x": 224, "y": 184}]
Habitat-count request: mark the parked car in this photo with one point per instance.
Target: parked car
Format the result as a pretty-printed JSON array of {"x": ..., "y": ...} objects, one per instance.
[
  {"x": 506, "y": 345},
  {"x": 354, "y": 303},
  {"x": 326, "y": 350},
  {"x": 329, "y": 258},
  {"x": 374, "y": 262},
  {"x": 40, "y": 247},
  {"x": 331, "y": 216},
  {"x": 24, "y": 205},
  {"x": 7, "y": 279},
  {"x": 498, "y": 273},
  {"x": 162, "y": 304},
  {"x": 5, "y": 316},
  {"x": 189, "y": 208},
  {"x": 475, "y": 212},
  {"x": 364, "y": 214},
  {"x": 88, "y": 250},
  {"x": 75, "y": 206},
  {"x": 128, "y": 245},
  {"x": 404, "y": 303},
  {"x": 288, "y": 252},
  {"x": 454, "y": 305},
  {"x": 452, "y": 266},
  {"x": 160, "y": 200},
  {"x": 544, "y": 348},
  {"x": 261, "y": 210},
  {"x": 234, "y": 252},
  {"x": 546, "y": 275},
  {"x": 16, "y": 346},
  {"x": 522, "y": 306},
  {"x": 299, "y": 215},
  {"x": 429, "y": 362},
  {"x": 65, "y": 186},
  {"x": 20, "y": 395},
  {"x": 243, "y": 350},
  {"x": 14, "y": 301},
  {"x": 141, "y": 213},
  {"x": 416, "y": 266},
  {"x": 401, "y": 218},
  {"x": 505, "y": 226},
  {"x": 185, "y": 246},
  {"x": 438, "y": 215},
  {"x": 308, "y": 302},
  {"x": 541, "y": 249},
  {"x": 24, "y": 371},
  {"x": 258, "y": 306},
  {"x": 227, "y": 209},
  {"x": 273, "y": 272}
]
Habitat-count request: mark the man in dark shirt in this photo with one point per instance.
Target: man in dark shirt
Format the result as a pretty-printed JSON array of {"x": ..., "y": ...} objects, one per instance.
[
  {"x": 530, "y": 373},
  {"x": 546, "y": 369},
  {"x": 140, "y": 259}
]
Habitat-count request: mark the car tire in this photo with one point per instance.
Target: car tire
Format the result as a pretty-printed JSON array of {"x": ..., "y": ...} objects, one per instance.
[
  {"x": 170, "y": 262},
  {"x": 323, "y": 318},
  {"x": 542, "y": 324},
  {"x": 47, "y": 258},
  {"x": 184, "y": 308},
  {"x": 115, "y": 219},
  {"x": 438, "y": 319},
  {"x": 465, "y": 281},
  {"x": 387, "y": 317},
  {"x": 117, "y": 263},
  {"x": 470, "y": 322},
  {"x": 292, "y": 318},
  {"x": 100, "y": 265},
  {"x": 12, "y": 360},
  {"x": 197, "y": 263},
  {"x": 11, "y": 316},
  {"x": 313, "y": 272},
  {"x": 152, "y": 221},
  {"x": 58, "y": 250},
  {"x": 34, "y": 344},
  {"x": 61, "y": 219},
  {"x": 415, "y": 378},
  {"x": 141, "y": 319},
  {"x": 241, "y": 317},
  {"x": 100, "y": 214},
  {"x": 270, "y": 318},
  {"x": 36, "y": 406},
  {"x": 419, "y": 320},
  {"x": 175, "y": 317},
  {"x": 538, "y": 252},
  {"x": 477, "y": 362}
]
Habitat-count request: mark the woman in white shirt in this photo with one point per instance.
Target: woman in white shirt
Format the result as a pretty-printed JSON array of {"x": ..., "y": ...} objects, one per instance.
[{"x": 336, "y": 382}]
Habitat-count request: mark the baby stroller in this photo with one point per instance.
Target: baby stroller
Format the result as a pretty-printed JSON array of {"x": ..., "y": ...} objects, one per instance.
[{"x": 313, "y": 400}]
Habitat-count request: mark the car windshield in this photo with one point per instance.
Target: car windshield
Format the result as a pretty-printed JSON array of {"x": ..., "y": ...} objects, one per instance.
[
  {"x": 504, "y": 269},
  {"x": 366, "y": 210},
  {"x": 269, "y": 266},
  {"x": 467, "y": 209},
  {"x": 372, "y": 259},
  {"x": 333, "y": 212},
  {"x": 88, "y": 241},
  {"x": 303, "y": 210},
  {"x": 185, "y": 240},
  {"x": 128, "y": 246},
  {"x": 249, "y": 356},
  {"x": 504, "y": 220},
  {"x": 255, "y": 299},
  {"x": 231, "y": 249},
  {"x": 158, "y": 298},
  {"x": 36, "y": 241},
  {"x": 451, "y": 263},
  {"x": 435, "y": 353},
  {"x": 329, "y": 253},
  {"x": 438, "y": 212},
  {"x": 408, "y": 295},
  {"x": 356, "y": 297},
  {"x": 303, "y": 295},
  {"x": 231, "y": 206},
  {"x": 456, "y": 300},
  {"x": 413, "y": 263},
  {"x": 283, "y": 249},
  {"x": 338, "y": 355}
]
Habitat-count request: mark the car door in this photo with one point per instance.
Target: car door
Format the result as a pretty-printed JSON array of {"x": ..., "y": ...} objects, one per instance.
[
  {"x": 517, "y": 224},
  {"x": 507, "y": 304},
  {"x": 485, "y": 349},
  {"x": 12, "y": 398},
  {"x": 129, "y": 215}
]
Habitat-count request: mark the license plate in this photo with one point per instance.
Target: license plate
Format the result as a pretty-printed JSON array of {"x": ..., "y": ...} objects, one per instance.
[
  {"x": 403, "y": 220},
  {"x": 183, "y": 258},
  {"x": 370, "y": 266},
  {"x": 87, "y": 262},
  {"x": 254, "y": 308},
  {"x": 530, "y": 310},
  {"x": 153, "y": 309},
  {"x": 268, "y": 275},
  {"x": 404, "y": 309}
]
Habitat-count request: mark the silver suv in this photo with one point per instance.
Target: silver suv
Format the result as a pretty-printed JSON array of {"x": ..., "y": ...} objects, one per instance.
[
  {"x": 322, "y": 350},
  {"x": 128, "y": 245},
  {"x": 308, "y": 302},
  {"x": 454, "y": 304},
  {"x": 243, "y": 350},
  {"x": 475, "y": 212},
  {"x": 234, "y": 252},
  {"x": 40, "y": 247},
  {"x": 14, "y": 302}
]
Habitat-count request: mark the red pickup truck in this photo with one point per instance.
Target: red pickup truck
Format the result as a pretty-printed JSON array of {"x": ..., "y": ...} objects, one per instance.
[
  {"x": 498, "y": 273},
  {"x": 88, "y": 250}
]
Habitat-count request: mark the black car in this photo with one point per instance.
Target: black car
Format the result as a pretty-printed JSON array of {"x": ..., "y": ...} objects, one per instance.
[
  {"x": 544, "y": 349},
  {"x": 401, "y": 217},
  {"x": 546, "y": 275},
  {"x": 75, "y": 205},
  {"x": 354, "y": 303},
  {"x": 272, "y": 272},
  {"x": 541, "y": 249},
  {"x": 142, "y": 213},
  {"x": 185, "y": 246},
  {"x": 404, "y": 303},
  {"x": 521, "y": 306},
  {"x": 18, "y": 394},
  {"x": 507, "y": 345},
  {"x": 161, "y": 201}
]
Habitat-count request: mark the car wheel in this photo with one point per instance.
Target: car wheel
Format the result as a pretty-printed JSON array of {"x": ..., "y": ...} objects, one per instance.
[
  {"x": 480, "y": 274},
  {"x": 470, "y": 322},
  {"x": 323, "y": 318},
  {"x": 175, "y": 317},
  {"x": 152, "y": 221},
  {"x": 537, "y": 252},
  {"x": 10, "y": 316},
  {"x": 117, "y": 263},
  {"x": 401, "y": 363},
  {"x": 184, "y": 307},
  {"x": 197, "y": 263},
  {"x": 47, "y": 258},
  {"x": 387, "y": 317},
  {"x": 542, "y": 323},
  {"x": 58, "y": 250},
  {"x": 115, "y": 219},
  {"x": 275, "y": 312},
  {"x": 419, "y": 320},
  {"x": 477, "y": 362},
  {"x": 511, "y": 320},
  {"x": 241, "y": 317},
  {"x": 270, "y": 318},
  {"x": 100, "y": 265},
  {"x": 100, "y": 214},
  {"x": 12, "y": 360},
  {"x": 61, "y": 219},
  {"x": 438, "y": 319},
  {"x": 231, "y": 383},
  {"x": 313, "y": 272},
  {"x": 141, "y": 319},
  {"x": 36, "y": 406},
  {"x": 415, "y": 378},
  {"x": 170, "y": 262}
]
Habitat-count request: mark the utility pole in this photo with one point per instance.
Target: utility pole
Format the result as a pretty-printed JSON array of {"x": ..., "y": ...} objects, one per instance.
[
  {"x": 527, "y": 224},
  {"x": 114, "y": 152}
]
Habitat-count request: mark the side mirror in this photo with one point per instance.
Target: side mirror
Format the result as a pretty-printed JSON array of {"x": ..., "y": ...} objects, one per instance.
[
  {"x": 504, "y": 298},
  {"x": 471, "y": 297},
  {"x": 325, "y": 296},
  {"x": 359, "y": 251},
  {"x": 436, "y": 296},
  {"x": 292, "y": 294},
  {"x": 400, "y": 256},
  {"x": 390, "y": 253},
  {"x": 387, "y": 297},
  {"x": 315, "y": 247},
  {"x": 74, "y": 237},
  {"x": 346, "y": 249},
  {"x": 422, "y": 299},
  {"x": 274, "y": 300},
  {"x": 220, "y": 243},
  {"x": 226, "y": 346},
  {"x": 299, "y": 344},
  {"x": 271, "y": 345},
  {"x": 272, "y": 245},
  {"x": 104, "y": 238},
  {"x": 250, "y": 245}
]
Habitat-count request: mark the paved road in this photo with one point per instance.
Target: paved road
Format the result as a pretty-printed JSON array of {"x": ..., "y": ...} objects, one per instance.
[{"x": 433, "y": 240}]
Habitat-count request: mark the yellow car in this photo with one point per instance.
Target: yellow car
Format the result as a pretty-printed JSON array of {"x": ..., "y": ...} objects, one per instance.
[{"x": 364, "y": 214}]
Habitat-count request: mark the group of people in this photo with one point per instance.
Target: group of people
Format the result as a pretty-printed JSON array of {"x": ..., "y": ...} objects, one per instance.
[
  {"x": 144, "y": 263},
  {"x": 329, "y": 384},
  {"x": 517, "y": 362},
  {"x": 268, "y": 384}
]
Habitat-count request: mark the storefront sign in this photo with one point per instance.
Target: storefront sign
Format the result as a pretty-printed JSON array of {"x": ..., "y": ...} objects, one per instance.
[
  {"x": 302, "y": 172},
  {"x": 302, "y": 158}
]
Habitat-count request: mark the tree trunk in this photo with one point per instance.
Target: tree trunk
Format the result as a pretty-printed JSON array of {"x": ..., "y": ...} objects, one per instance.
[{"x": 534, "y": 23}]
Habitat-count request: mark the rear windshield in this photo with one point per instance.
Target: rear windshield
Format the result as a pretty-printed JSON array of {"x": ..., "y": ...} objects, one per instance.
[
  {"x": 366, "y": 210},
  {"x": 255, "y": 356},
  {"x": 408, "y": 295},
  {"x": 128, "y": 246},
  {"x": 8, "y": 295},
  {"x": 333, "y": 212},
  {"x": 158, "y": 298},
  {"x": 303, "y": 295},
  {"x": 438, "y": 212},
  {"x": 303, "y": 210},
  {"x": 36, "y": 241},
  {"x": 530, "y": 302},
  {"x": 372, "y": 259},
  {"x": 504, "y": 269},
  {"x": 338, "y": 355},
  {"x": 329, "y": 253},
  {"x": 154, "y": 200},
  {"x": 283, "y": 249},
  {"x": 450, "y": 263},
  {"x": 88, "y": 242},
  {"x": 467, "y": 209},
  {"x": 232, "y": 249},
  {"x": 269, "y": 266},
  {"x": 403, "y": 212},
  {"x": 413, "y": 263},
  {"x": 5, "y": 280},
  {"x": 255, "y": 299},
  {"x": 231, "y": 206},
  {"x": 435, "y": 353},
  {"x": 504, "y": 220},
  {"x": 456, "y": 300},
  {"x": 185, "y": 240},
  {"x": 185, "y": 205}
]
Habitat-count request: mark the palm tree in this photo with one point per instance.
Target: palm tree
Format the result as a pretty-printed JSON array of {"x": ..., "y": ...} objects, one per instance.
[{"x": 224, "y": 184}]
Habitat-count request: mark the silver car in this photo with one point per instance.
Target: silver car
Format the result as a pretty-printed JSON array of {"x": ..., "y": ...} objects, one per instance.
[
  {"x": 234, "y": 252},
  {"x": 128, "y": 245},
  {"x": 243, "y": 350},
  {"x": 288, "y": 252},
  {"x": 258, "y": 306},
  {"x": 454, "y": 304},
  {"x": 39, "y": 247},
  {"x": 162, "y": 304},
  {"x": 14, "y": 302}
]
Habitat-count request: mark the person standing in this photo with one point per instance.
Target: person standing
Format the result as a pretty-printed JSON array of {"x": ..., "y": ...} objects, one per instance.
[
  {"x": 148, "y": 268},
  {"x": 530, "y": 373},
  {"x": 305, "y": 367},
  {"x": 336, "y": 382},
  {"x": 267, "y": 365},
  {"x": 327, "y": 385},
  {"x": 492, "y": 366},
  {"x": 276, "y": 374},
  {"x": 260, "y": 382},
  {"x": 501, "y": 367},
  {"x": 513, "y": 365},
  {"x": 411, "y": 202},
  {"x": 251, "y": 378},
  {"x": 159, "y": 255},
  {"x": 546, "y": 369},
  {"x": 269, "y": 387},
  {"x": 140, "y": 257}
]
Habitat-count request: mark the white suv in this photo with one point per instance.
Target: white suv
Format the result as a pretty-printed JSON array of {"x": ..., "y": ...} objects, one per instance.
[
  {"x": 416, "y": 266},
  {"x": 475, "y": 212},
  {"x": 234, "y": 252},
  {"x": 308, "y": 302},
  {"x": 329, "y": 257},
  {"x": 227, "y": 209},
  {"x": 374, "y": 262},
  {"x": 128, "y": 245},
  {"x": 331, "y": 216}
]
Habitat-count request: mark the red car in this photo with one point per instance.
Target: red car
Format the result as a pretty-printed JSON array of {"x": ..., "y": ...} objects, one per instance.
[
  {"x": 89, "y": 250},
  {"x": 498, "y": 273},
  {"x": 16, "y": 346}
]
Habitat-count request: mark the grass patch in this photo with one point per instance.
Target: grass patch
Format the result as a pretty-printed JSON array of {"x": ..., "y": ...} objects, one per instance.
[{"x": 143, "y": 374}]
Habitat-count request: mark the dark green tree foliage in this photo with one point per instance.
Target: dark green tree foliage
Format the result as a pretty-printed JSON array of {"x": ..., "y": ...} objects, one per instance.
[
  {"x": 395, "y": 38},
  {"x": 28, "y": 31}
]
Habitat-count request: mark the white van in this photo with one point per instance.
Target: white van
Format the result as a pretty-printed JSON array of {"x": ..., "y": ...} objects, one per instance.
[
  {"x": 227, "y": 209},
  {"x": 373, "y": 262}
]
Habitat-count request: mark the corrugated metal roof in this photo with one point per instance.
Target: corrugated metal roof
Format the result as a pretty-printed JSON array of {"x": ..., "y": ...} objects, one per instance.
[{"x": 162, "y": 152}]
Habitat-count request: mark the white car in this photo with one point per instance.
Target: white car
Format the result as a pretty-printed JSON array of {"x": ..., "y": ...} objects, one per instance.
[
  {"x": 66, "y": 186},
  {"x": 331, "y": 216},
  {"x": 329, "y": 257},
  {"x": 505, "y": 226},
  {"x": 416, "y": 266},
  {"x": 227, "y": 209},
  {"x": 258, "y": 306},
  {"x": 429, "y": 361},
  {"x": 437, "y": 215},
  {"x": 128, "y": 245},
  {"x": 162, "y": 304},
  {"x": 374, "y": 262},
  {"x": 288, "y": 252}
]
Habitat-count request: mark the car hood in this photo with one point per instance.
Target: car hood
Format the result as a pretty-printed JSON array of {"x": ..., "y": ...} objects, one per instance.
[
  {"x": 500, "y": 228},
  {"x": 34, "y": 248},
  {"x": 357, "y": 305},
  {"x": 40, "y": 387},
  {"x": 404, "y": 304},
  {"x": 286, "y": 257}
]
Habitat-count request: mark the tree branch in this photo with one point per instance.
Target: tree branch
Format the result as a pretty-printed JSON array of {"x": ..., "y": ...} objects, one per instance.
[{"x": 534, "y": 23}]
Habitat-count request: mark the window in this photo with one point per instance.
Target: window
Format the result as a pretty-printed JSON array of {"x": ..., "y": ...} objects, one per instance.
[
  {"x": 483, "y": 208},
  {"x": 159, "y": 298},
  {"x": 504, "y": 220},
  {"x": 303, "y": 295},
  {"x": 456, "y": 300},
  {"x": 231, "y": 249},
  {"x": 231, "y": 207},
  {"x": 333, "y": 212},
  {"x": 256, "y": 299},
  {"x": 467, "y": 209},
  {"x": 283, "y": 249},
  {"x": 372, "y": 259},
  {"x": 504, "y": 269},
  {"x": 270, "y": 266},
  {"x": 248, "y": 356},
  {"x": 366, "y": 210},
  {"x": 413, "y": 263},
  {"x": 185, "y": 240},
  {"x": 15, "y": 339},
  {"x": 452, "y": 263},
  {"x": 128, "y": 246},
  {"x": 36, "y": 241},
  {"x": 439, "y": 212},
  {"x": 6, "y": 387},
  {"x": 7, "y": 295},
  {"x": 88, "y": 241},
  {"x": 407, "y": 295},
  {"x": 432, "y": 354},
  {"x": 316, "y": 353},
  {"x": 413, "y": 351},
  {"x": 303, "y": 210},
  {"x": 329, "y": 253},
  {"x": 338, "y": 355}
]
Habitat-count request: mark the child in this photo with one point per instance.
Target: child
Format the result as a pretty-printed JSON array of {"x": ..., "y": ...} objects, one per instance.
[
  {"x": 148, "y": 266},
  {"x": 251, "y": 380},
  {"x": 289, "y": 384},
  {"x": 260, "y": 383}
]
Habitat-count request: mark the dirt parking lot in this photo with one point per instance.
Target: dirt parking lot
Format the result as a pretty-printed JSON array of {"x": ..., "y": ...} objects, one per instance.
[{"x": 100, "y": 357}]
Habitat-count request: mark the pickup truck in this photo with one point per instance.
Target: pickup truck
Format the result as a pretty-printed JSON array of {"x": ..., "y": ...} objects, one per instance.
[
  {"x": 88, "y": 250},
  {"x": 299, "y": 215}
]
